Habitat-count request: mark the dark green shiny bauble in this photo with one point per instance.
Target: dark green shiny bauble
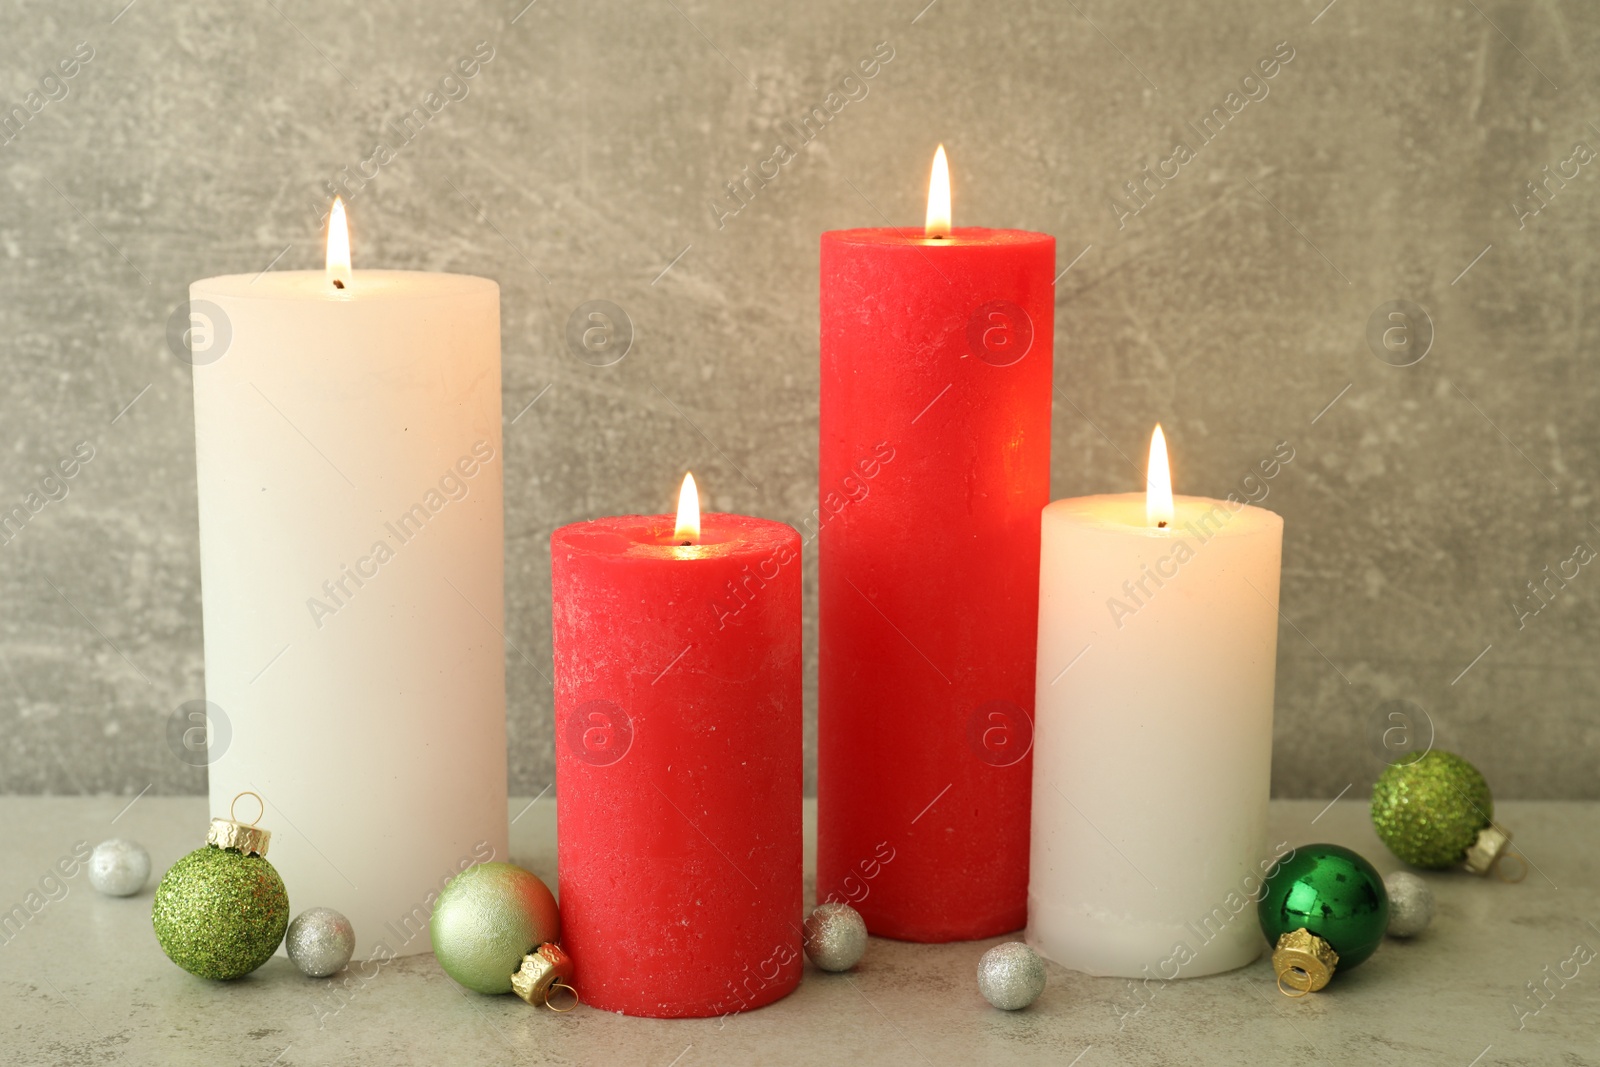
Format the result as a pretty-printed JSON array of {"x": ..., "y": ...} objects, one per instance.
[
  {"x": 219, "y": 914},
  {"x": 1429, "y": 810},
  {"x": 487, "y": 919},
  {"x": 1332, "y": 892}
]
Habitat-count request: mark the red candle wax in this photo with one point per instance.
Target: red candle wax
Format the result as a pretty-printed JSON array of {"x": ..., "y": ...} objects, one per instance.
[
  {"x": 678, "y": 762},
  {"x": 934, "y": 467}
]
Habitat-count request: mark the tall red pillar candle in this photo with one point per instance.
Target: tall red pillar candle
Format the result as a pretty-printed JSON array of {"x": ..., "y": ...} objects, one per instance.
[
  {"x": 678, "y": 762},
  {"x": 935, "y": 461}
]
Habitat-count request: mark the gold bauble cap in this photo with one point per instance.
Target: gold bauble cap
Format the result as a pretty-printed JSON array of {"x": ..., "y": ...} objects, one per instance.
[
  {"x": 236, "y": 836},
  {"x": 1303, "y": 962},
  {"x": 543, "y": 971},
  {"x": 1490, "y": 851}
]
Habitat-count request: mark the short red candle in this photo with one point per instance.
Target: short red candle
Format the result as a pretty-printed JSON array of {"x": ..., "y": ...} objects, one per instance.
[
  {"x": 934, "y": 467},
  {"x": 678, "y": 762}
]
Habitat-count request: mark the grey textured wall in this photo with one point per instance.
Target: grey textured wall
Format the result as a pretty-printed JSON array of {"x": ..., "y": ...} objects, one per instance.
[{"x": 1388, "y": 160}]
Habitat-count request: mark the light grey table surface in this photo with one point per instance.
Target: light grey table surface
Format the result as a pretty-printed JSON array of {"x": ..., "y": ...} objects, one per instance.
[{"x": 85, "y": 982}]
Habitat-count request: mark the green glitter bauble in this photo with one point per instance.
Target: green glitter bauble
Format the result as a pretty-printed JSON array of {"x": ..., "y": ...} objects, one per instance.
[
  {"x": 487, "y": 919},
  {"x": 220, "y": 914},
  {"x": 1428, "y": 811},
  {"x": 1332, "y": 892}
]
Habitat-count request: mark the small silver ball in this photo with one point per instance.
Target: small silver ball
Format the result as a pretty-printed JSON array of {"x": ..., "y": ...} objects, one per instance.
[
  {"x": 835, "y": 937},
  {"x": 1011, "y": 976},
  {"x": 320, "y": 941},
  {"x": 119, "y": 868},
  {"x": 1410, "y": 903}
]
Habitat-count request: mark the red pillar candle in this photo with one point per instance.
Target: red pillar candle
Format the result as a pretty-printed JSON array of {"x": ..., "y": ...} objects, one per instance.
[
  {"x": 935, "y": 461},
  {"x": 678, "y": 761}
]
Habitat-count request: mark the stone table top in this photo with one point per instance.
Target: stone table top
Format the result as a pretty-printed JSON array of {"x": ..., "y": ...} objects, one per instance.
[{"x": 84, "y": 981}]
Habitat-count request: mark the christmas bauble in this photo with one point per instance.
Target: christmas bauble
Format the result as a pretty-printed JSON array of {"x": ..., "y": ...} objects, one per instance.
[
  {"x": 220, "y": 911},
  {"x": 119, "y": 868},
  {"x": 487, "y": 919},
  {"x": 1011, "y": 976},
  {"x": 1429, "y": 810},
  {"x": 1410, "y": 903},
  {"x": 835, "y": 936},
  {"x": 1322, "y": 907},
  {"x": 320, "y": 942}
]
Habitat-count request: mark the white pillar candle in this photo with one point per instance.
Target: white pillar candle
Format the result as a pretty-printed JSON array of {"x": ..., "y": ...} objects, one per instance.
[
  {"x": 1153, "y": 739},
  {"x": 348, "y": 456}
]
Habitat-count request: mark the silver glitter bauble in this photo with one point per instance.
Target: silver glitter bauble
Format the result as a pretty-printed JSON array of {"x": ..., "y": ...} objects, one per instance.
[
  {"x": 1011, "y": 976},
  {"x": 835, "y": 937},
  {"x": 119, "y": 868},
  {"x": 320, "y": 942},
  {"x": 1410, "y": 903}
]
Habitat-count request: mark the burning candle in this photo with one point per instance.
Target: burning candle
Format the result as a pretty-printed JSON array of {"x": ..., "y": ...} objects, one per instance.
[
  {"x": 935, "y": 462},
  {"x": 678, "y": 759},
  {"x": 1158, "y": 630},
  {"x": 347, "y": 450}
]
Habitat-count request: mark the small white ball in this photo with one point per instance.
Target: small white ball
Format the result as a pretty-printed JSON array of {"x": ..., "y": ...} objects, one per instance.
[
  {"x": 320, "y": 942},
  {"x": 835, "y": 937},
  {"x": 119, "y": 868},
  {"x": 1011, "y": 976},
  {"x": 1410, "y": 903}
]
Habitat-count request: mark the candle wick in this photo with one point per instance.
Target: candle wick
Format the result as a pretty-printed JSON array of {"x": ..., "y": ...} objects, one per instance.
[
  {"x": 1162, "y": 525},
  {"x": 685, "y": 544},
  {"x": 337, "y": 284}
]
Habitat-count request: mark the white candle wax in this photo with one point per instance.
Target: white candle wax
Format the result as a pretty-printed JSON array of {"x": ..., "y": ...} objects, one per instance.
[
  {"x": 348, "y": 455},
  {"x": 1153, "y": 739}
]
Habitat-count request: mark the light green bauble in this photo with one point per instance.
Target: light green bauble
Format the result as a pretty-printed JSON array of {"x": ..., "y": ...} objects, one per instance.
[
  {"x": 487, "y": 919},
  {"x": 1429, "y": 810},
  {"x": 220, "y": 914}
]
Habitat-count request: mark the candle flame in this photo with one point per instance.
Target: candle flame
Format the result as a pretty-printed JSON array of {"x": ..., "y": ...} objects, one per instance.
[
  {"x": 1158, "y": 482},
  {"x": 938, "y": 224},
  {"x": 338, "y": 246},
  {"x": 688, "y": 529}
]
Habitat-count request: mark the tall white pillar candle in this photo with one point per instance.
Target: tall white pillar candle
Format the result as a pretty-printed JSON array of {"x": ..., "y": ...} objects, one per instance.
[
  {"x": 348, "y": 455},
  {"x": 1153, "y": 739}
]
